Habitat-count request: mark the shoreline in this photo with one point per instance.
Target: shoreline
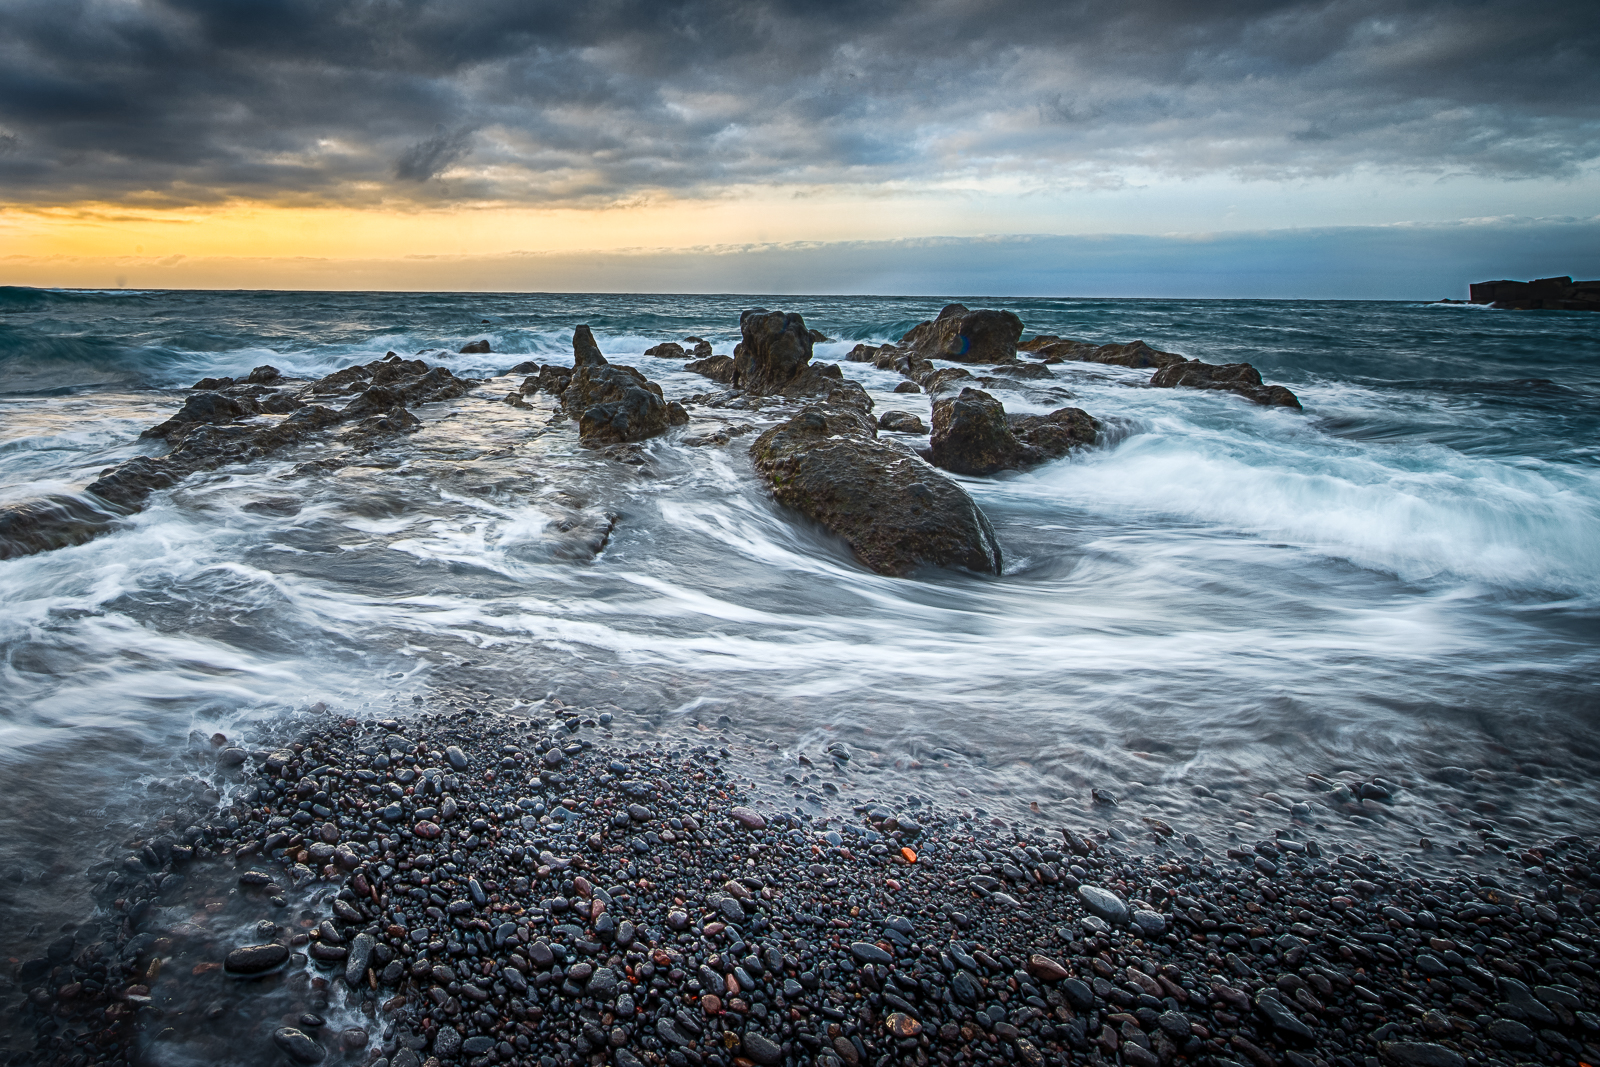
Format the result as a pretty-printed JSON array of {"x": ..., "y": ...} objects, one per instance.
[{"x": 527, "y": 878}]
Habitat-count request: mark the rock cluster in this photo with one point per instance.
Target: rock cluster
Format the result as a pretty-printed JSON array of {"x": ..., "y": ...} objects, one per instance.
[
  {"x": 612, "y": 403},
  {"x": 894, "y": 511}
]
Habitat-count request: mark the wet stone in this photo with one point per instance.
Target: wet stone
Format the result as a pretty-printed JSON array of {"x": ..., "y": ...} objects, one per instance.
[
  {"x": 298, "y": 1045},
  {"x": 256, "y": 959}
]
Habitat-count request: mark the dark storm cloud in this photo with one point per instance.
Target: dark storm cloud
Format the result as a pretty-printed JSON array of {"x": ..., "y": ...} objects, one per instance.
[{"x": 359, "y": 101}]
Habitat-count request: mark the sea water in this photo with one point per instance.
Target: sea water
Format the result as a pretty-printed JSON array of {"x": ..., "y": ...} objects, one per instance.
[{"x": 1212, "y": 603}]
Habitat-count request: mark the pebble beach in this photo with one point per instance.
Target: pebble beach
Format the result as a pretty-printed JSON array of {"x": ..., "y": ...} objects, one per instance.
[{"x": 481, "y": 889}]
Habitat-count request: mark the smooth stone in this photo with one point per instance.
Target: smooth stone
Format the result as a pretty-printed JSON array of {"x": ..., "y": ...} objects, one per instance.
[
  {"x": 1421, "y": 1054},
  {"x": 1151, "y": 923},
  {"x": 298, "y": 1045},
  {"x": 749, "y": 818},
  {"x": 867, "y": 952},
  {"x": 1104, "y": 904},
  {"x": 457, "y": 758},
  {"x": 255, "y": 959},
  {"x": 761, "y": 1049}
]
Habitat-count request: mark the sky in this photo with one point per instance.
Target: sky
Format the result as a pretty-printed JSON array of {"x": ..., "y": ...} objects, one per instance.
[{"x": 1249, "y": 148}]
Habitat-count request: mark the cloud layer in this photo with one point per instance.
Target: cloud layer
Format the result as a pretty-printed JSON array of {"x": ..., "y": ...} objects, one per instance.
[{"x": 173, "y": 102}]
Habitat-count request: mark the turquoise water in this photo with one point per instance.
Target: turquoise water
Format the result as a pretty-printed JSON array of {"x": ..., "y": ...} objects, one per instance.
[{"x": 1400, "y": 580}]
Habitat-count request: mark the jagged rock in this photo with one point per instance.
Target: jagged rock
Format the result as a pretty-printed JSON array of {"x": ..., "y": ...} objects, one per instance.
[
  {"x": 895, "y": 512},
  {"x": 862, "y": 354},
  {"x": 263, "y": 375},
  {"x": 717, "y": 368},
  {"x": 901, "y": 422},
  {"x": 966, "y": 336},
  {"x": 972, "y": 434},
  {"x": 212, "y": 384},
  {"x": 475, "y": 348},
  {"x": 612, "y": 403},
  {"x": 527, "y": 366},
  {"x": 701, "y": 349},
  {"x": 1239, "y": 378},
  {"x": 585, "y": 352},
  {"x": 667, "y": 350},
  {"x": 775, "y": 351}
]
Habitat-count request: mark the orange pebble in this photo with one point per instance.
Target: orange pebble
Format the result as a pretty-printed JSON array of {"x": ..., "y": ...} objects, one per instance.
[{"x": 911, "y": 857}]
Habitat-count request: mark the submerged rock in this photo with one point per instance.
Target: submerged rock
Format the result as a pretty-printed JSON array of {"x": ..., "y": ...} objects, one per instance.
[
  {"x": 972, "y": 434},
  {"x": 1239, "y": 378},
  {"x": 1132, "y": 354},
  {"x": 965, "y": 336},
  {"x": 895, "y": 512}
]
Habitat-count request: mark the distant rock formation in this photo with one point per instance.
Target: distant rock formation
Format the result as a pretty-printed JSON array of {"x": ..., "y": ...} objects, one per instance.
[{"x": 1550, "y": 294}]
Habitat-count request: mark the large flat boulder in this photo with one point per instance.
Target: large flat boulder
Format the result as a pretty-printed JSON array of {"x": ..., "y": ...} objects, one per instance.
[
  {"x": 894, "y": 511},
  {"x": 965, "y": 336},
  {"x": 1241, "y": 378}
]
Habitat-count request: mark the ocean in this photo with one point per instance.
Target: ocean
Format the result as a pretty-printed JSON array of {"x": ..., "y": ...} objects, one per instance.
[{"x": 1401, "y": 581}]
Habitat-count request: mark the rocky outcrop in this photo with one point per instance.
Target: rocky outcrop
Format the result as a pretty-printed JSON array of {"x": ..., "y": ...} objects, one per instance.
[
  {"x": 966, "y": 336},
  {"x": 1549, "y": 294},
  {"x": 972, "y": 434},
  {"x": 612, "y": 403},
  {"x": 1132, "y": 354},
  {"x": 1239, "y": 378},
  {"x": 668, "y": 350},
  {"x": 474, "y": 348},
  {"x": 775, "y": 351},
  {"x": 701, "y": 349},
  {"x": 894, "y": 511}
]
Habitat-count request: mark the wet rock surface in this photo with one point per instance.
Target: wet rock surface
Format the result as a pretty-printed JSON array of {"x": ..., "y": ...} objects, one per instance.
[
  {"x": 585, "y": 901},
  {"x": 895, "y": 512},
  {"x": 774, "y": 359}
]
